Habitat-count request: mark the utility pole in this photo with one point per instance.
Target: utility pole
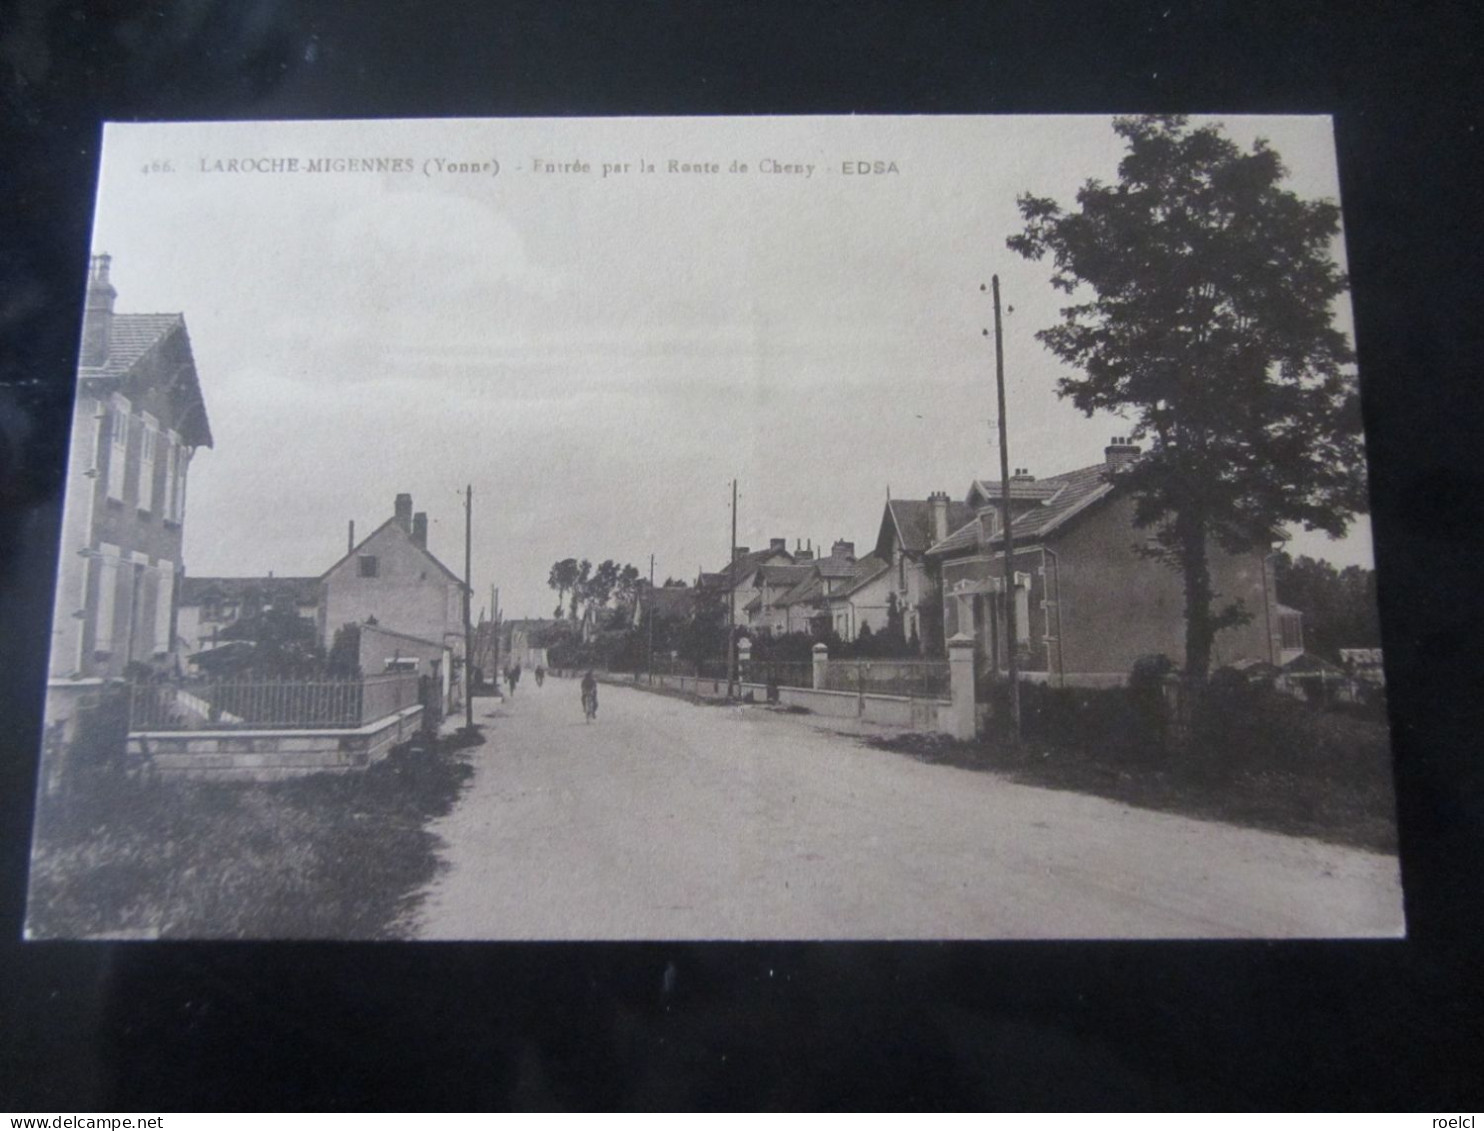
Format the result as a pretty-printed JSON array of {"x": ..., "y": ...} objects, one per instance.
[
  {"x": 732, "y": 596},
  {"x": 650, "y": 618},
  {"x": 468, "y": 598},
  {"x": 1011, "y": 660},
  {"x": 495, "y": 651}
]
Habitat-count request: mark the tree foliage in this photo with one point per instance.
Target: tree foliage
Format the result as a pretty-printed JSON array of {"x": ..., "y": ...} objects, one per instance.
[
  {"x": 1339, "y": 605},
  {"x": 1202, "y": 312},
  {"x": 284, "y": 644}
]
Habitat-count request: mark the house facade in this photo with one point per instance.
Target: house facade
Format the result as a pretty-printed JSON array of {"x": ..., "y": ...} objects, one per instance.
[
  {"x": 738, "y": 583},
  {"x": 838, "y": 594},
  {"x": 1088, "y": 603},
  {"x": 764, "y": 611},
  {"x": 908, "y": 528},
  {"x": 391, "y": 581},
  {"x": 863, "y": 600},
  {"x": 138, "y": 421}
]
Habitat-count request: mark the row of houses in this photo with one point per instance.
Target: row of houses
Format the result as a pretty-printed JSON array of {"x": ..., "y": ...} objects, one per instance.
[
  {"x": 1089, "y": 600},
  {"x": 124, "y": 602}
]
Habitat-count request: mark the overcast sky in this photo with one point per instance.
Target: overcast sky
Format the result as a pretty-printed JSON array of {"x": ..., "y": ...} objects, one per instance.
[{"x": 599, "y": 356}]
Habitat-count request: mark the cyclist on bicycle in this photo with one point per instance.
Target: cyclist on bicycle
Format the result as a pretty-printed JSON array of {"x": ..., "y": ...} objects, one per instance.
[{"x": 590, "y": 695}]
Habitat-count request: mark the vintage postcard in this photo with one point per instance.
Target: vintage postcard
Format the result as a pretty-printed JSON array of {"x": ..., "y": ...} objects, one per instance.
[{"x": 728, "y": 528}]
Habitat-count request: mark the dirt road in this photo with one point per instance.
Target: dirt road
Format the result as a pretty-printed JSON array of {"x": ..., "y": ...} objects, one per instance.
[{"x": 667, "y": 820}]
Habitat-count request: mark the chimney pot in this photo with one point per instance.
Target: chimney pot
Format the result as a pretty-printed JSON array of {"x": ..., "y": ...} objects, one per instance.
[
  {"x": 843, "y": 549},
  {"x": 1120, "y": 453}
]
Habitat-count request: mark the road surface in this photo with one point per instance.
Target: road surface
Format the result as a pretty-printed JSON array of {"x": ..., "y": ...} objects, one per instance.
[{"x": 668, "y": 820}]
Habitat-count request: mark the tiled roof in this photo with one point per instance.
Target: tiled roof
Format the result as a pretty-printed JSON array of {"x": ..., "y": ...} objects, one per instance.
[
  {"x": 1065, "y": 495},
  {"x": 784, "y": 574},
  {"x": 301, "y": 590},
  {"x": 669, "y": 601},
  {"x": 744, "y": 567},
  {"x": 1029, "y": 489},
  {"x": 834, "y": 568},
  {"x": 130, "y": 337},
  {"x": 802, "y": 593},
  {"x": 867, "y": 570},
  {"x": 914, "y": 521}
]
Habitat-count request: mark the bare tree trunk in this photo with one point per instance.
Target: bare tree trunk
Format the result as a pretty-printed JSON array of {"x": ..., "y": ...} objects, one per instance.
[{"x": 1200, "y": 630}]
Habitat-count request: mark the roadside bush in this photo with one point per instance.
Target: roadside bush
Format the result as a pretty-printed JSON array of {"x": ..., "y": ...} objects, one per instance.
[{"x": 324, "y": 856}]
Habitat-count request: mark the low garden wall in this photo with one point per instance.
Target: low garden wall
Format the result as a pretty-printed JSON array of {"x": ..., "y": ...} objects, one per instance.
[
  {"x": 270, "y": 755},
  {"x": 888, "y": 710}
]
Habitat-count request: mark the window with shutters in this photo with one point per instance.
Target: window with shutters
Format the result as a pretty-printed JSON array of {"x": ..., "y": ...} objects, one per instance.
[
  {"x": 118, "y": 447},
  {"x": 1022, "y": 608},
  {"x": 149, "y": 433},
  {"x": 164, "y": 607},
  {"x": 106, "y": 570}
]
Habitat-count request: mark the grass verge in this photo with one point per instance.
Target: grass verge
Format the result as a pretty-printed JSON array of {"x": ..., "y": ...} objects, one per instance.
[
  {"x": 331, "y": 856},
  {"x": 1331, "y": 781}
]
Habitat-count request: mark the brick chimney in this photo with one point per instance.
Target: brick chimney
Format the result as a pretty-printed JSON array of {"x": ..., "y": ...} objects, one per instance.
[
  {"x": 97, "y": 314},
  {"x": 843, "y": 549},
  {"x": 800, "y": 553},
  {"x": 1023, "y": 475},
  {"x": 779, "y": 544},
  {"x": 938, "y": 508},
  {"x": 739, "y": 552},
  {"x": 402, "y": 512},
  {"x": 1120, "y": 453},
  {"x": 420, "y": 529}
]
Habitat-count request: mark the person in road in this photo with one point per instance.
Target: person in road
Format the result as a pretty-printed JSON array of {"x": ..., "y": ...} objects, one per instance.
[
  {"x": 590, "y": 694},
  {"x": 540, "y": 675}
]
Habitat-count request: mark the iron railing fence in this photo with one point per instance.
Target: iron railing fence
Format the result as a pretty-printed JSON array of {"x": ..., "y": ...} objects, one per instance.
[
  {"x": 287, "y": 704},
  {"x": 916, "y": 678}
]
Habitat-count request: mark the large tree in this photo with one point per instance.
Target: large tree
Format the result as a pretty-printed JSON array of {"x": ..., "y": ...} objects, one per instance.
[
  {"x": 1202, "y": 312},
  {"x": 563, "y": 578}
]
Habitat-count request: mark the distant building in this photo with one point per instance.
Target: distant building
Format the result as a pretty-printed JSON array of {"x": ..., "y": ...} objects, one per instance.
[
  {"x": 393, "y": 583},
  {"x": 208, "y": 605},
  {"x": 736, "y": 583},
  {"x": 138, "y": 421},
  {"x": 908, "y": 528},
  {"x": 1088, "y": 603},
  {"x": 668, "y": 602},
  {"x": 836, "y": 594}
]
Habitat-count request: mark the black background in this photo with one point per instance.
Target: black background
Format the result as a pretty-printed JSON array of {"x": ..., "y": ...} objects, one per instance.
[{"x": 1290, "y": 1025}]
